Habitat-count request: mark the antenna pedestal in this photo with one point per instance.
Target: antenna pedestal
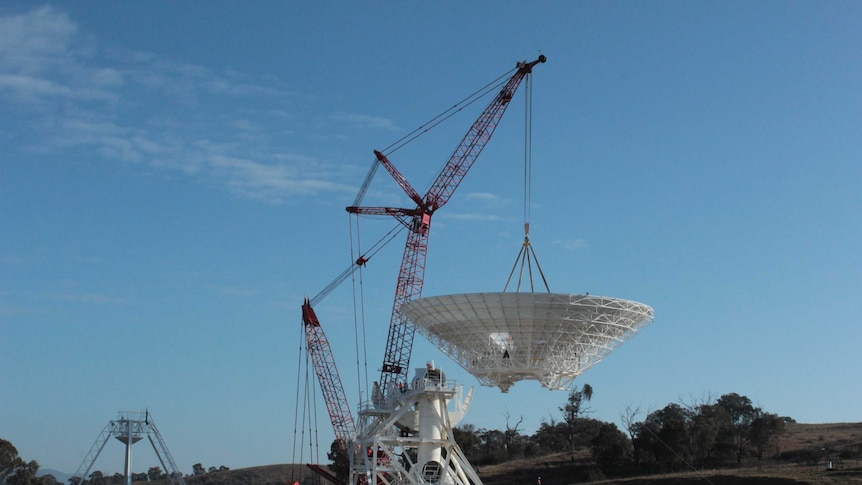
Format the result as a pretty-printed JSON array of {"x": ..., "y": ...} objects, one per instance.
[{"x": 407, "y": 438}]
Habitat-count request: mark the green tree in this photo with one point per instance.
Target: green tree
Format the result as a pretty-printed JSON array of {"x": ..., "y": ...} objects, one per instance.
[
  {"x": 13, "y": 469},
  {"x": 96, "y": 478},
  {"x": 513, "y": 441},
  {"x": 610, "y": 446},
  {"x": 493, "y": 447},
  {"x": 198, "y": 469},
  {"x": 468, "y": 440},
  {"x": 663, "y": 437},
  {"x": 629, "y": 420},
  {"x": 574, "y": 410},
  {"x": 575, "y": 406},
  {"x": 154, "y": 473},
  {"x": 765, "y": 430},
  {"x": 706, "y": 430},
  {"x": 340, "y": 460},
  {"x": 742, "y": 414},
  {"x": 552, "y": 437},
  {"x": 48, "y": 480}
]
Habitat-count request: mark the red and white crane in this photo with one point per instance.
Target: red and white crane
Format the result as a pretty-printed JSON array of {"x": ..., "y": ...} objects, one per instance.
[
  {"x": 417, "y": 220},
  {"x": 399, "y": 343}
]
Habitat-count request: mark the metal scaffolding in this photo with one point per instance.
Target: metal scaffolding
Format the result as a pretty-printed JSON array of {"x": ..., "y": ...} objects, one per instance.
[{"x": 129, "y": 428}]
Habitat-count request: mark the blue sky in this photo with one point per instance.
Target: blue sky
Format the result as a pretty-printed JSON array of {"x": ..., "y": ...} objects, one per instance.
[{"x": 173, "y": 177}]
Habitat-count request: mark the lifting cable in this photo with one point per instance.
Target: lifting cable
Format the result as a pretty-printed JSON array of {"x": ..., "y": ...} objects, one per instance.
[
  {"x": 311, "y": 413},
  {"x": 359, "y": 320},
  {"x": 304, "y": 411},
  {"x": 380, "y": 244},
  {"x": 528, "y": 150},
  {"x": 305, "y": 404},
  {"x": 491, "y": 87},
  {"x": 527, "y": 254},
  {"x": 480, "y": 93},
  {"x": 314, "y": 407},
  {"x": 306, "y": 419},
  {"x": 296, "y": 402}
]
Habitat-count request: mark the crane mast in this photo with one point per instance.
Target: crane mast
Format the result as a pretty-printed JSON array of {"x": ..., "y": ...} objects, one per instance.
[{"x": 399, "y": 342}]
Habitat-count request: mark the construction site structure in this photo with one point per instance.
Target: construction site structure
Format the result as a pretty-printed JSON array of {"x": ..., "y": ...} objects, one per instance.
[
  {"x": 129, "y": 428},
  {"x": 417, "y": 220},
  {"x": 407, "y": 438},
  {"x": 404, "y": 435}
]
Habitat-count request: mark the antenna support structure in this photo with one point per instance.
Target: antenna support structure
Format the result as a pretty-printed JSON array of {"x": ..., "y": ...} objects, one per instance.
[
  {"x": 129, "y": 428},
  {"x": 405, "y": 435}
]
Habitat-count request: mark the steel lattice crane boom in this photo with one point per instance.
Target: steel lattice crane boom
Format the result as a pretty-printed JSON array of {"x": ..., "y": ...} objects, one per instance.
[
  {"x": 327, "y": 374},
  {"x": 399, "y": 343}
]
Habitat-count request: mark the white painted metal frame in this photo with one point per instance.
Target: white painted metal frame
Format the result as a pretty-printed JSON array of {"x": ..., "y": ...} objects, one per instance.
[
  {"x": 383, "y": 455},
  {"x": 129, "y": 428},
  {"x": 503, "y": 338}
]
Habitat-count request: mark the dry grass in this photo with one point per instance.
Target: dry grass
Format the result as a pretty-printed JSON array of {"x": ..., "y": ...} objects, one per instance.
[
  {"x": 563, "y": 469},
  {"x": 832, "y": 436}
]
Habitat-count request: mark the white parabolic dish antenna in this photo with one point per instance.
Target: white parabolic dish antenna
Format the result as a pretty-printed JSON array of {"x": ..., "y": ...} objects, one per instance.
[{"x": 503, "y": 338}]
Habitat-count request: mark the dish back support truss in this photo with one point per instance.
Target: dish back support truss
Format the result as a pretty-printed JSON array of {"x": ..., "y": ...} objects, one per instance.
[{"x": 502, "y": 338}]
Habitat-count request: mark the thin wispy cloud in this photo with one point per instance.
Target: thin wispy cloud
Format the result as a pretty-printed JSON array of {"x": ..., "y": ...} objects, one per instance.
[
  {"x": 105, "y": 137},
  {"x": 42, "y": 59},
  {"x": 473, "y": 216},
  {"x": 88, "y": 298},
  {"x": 138, "y": 108},
  {"x": 31, "y": 42},
  {"x": 354, "y": 120},
  {"x": 483, "y": 197},
  {"x": 269, "y": 181},
  {"x": 570, "y": 244},
  {"x": 235, "y": 291},
  {"x": 29, "y": 87}
]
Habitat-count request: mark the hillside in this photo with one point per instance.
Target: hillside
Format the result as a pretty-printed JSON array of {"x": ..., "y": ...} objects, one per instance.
[
  {"x": 804, "y": 449},
  {"x": 830, "y": 436},
  {"x": 261, "y": 475}
]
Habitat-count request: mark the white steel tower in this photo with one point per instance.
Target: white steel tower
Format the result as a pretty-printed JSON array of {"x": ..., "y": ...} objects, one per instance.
[
  {"x": 129, "y": 428},
  {"x": 405, "y": 435}
]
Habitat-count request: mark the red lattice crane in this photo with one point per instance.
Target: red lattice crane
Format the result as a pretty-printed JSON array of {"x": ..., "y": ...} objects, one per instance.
[
  {"x": 399, "y": 343},
  {"x": 327, "y": 374}
]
